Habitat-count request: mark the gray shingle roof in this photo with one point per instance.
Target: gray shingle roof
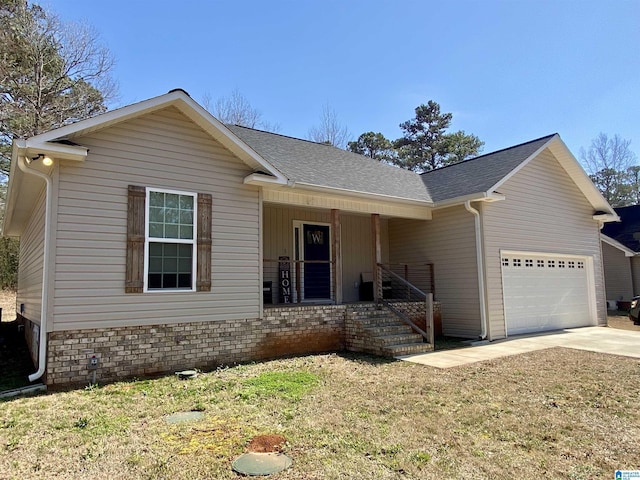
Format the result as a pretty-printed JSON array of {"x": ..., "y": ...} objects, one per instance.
[
  {"x": 304, "y": 161},
  {"x": 478, "y": 174}
]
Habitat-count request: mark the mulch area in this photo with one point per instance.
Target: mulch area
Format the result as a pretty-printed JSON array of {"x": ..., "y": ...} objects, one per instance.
[
  {"x": 15, "y": 361},
  {"x": 266, "y": 444}
]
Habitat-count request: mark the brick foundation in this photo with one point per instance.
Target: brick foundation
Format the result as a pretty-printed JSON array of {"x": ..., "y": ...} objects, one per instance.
[{"x": 125, "y": 352}]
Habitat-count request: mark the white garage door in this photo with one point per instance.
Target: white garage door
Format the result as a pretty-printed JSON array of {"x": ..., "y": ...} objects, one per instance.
[{"x": 543, "y": 292}]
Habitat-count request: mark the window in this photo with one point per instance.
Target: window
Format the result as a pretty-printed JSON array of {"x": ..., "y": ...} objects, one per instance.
[
  {"x": 551, "y": 263},
  {"x": 505, "y": 262},
  {"x": 528, "y": 263},
  {"x": 540, "y": 263},
  {"x": 517, "y": 262},
  {"x": 170, "y": 243}
]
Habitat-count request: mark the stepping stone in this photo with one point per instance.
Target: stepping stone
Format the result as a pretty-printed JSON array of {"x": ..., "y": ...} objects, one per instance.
[
  {"x": 261, "y": 464},
  {"x": 183, "y": 417}
]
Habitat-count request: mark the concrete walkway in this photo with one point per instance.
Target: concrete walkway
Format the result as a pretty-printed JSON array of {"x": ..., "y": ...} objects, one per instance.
[{"x": 593, "y": 339}]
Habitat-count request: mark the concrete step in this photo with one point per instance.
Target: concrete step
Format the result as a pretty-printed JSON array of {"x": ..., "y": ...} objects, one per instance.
[
  {"x": 407, "y": 349},
  {"x": 401, "y": 339}
]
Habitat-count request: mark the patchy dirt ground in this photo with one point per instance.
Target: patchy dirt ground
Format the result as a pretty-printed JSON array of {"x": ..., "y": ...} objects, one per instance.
[
  {"x": 621, "y": 320},
  {"x": 8, "y": 305}
]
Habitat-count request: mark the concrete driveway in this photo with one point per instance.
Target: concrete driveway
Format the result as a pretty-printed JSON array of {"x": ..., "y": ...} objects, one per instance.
[{"x": 593, "y": 339}]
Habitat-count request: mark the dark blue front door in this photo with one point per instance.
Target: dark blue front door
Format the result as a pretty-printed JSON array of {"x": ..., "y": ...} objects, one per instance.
[{"x": 317, "y": 276}]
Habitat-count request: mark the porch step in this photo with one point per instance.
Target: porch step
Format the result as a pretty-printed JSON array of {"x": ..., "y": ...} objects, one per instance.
[
  {"x": 399, "y": 339},
  {"x": 407, "y": 349},
  {"x": 388, "y": 329},
  {"x": 387, "y": 335}
]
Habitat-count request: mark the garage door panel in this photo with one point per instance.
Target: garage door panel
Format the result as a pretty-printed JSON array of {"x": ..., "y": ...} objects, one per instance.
[{"x": 544, "y": 292}]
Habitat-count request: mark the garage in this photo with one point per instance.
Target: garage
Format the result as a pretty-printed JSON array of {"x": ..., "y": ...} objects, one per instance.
[{"x": 546, "y": 292}]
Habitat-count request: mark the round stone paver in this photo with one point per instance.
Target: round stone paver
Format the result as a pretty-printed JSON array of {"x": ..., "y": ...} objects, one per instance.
[{"x": 261, "y": 464}]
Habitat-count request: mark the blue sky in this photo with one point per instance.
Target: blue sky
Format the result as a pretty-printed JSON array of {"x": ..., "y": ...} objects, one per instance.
[{"x": 509, "y": 71}]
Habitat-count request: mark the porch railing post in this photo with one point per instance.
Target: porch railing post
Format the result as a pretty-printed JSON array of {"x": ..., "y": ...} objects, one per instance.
[
  {"x": 377, "y": 256},
  {"x": 429, "y": 323}
]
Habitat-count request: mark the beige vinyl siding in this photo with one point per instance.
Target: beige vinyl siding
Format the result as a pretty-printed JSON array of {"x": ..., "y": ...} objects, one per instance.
[
  {"x": 635, "y": 275},
  {"x": 356, "y": 239},
  {"x": 163, "y": 150},
  {"x": 31, "y": 262},
  {"x": 447, "y": 241},
  {"x": 544, "y": 211},
  {"x": 617, "y": 273}
]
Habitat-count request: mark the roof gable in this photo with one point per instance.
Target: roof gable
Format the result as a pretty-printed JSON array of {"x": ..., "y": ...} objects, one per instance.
[
  {"x": 479, "y": 174},
  {"x": 184, "y": 103},
  {"x": 484, "y": 175}
]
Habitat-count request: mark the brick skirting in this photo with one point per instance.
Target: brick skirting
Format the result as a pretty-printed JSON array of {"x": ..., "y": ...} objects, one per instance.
[{"x": 125, "y": 352}]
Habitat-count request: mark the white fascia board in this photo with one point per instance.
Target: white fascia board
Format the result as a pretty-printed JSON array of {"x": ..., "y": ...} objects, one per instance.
[
  {"x": 606, "y": 217},
  {"x": 31, "y": 148},
  {"x": 474, "y": 197},
  {"x": 261, "y": 179},
  {"x": 616, "y": 244},
  {"x": 354, "y": 193}
]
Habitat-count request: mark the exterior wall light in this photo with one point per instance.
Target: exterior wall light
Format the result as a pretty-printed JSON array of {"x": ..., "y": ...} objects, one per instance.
[{"x": 46, "y": 161}]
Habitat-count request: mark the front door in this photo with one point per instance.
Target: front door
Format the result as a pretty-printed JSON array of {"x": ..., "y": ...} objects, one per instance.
[{"x": 316, "y": 241}]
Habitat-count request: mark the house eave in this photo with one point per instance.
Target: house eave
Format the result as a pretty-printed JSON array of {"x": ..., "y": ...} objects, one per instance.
[
  {"x": 487, "y": 197},
  {"x": 616, "y": 244}
]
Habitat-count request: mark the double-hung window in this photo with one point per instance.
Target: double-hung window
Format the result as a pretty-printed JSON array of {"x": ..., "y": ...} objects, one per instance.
[{"x": 170, "y": 241}]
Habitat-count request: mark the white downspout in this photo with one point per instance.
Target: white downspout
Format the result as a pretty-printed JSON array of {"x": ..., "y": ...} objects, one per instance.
[
  {"x": 42, "y": 350},
  {"x": 480, "y": 262}
]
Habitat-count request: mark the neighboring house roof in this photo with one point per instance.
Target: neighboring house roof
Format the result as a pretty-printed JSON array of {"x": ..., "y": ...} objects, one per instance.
[
  {"x": 616, "y": 244},
  {"x": 627, "y": 230},
  {"x": 322, "y": 165}
]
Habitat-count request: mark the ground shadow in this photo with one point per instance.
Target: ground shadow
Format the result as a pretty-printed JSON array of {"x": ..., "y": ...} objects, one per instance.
[{"x": 15, "y": 361}]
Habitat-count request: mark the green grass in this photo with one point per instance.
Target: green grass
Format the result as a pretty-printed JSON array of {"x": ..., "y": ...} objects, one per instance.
[{"x": 550, "y": 414}]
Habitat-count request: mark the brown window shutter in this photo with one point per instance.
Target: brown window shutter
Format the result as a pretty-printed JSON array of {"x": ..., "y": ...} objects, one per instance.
[
  {"x": 134, "y": 282},
  {"x": 203, "y": 275}
]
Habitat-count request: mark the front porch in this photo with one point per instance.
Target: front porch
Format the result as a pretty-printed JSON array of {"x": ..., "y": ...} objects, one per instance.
[{"x": 314, "y": 256}]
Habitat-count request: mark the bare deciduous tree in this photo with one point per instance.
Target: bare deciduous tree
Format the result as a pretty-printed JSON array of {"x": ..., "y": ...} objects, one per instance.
[
  {"x": 607, "y": 154},
  {"x": 608, "y": 162},
  {"x": 330, "y": 130},
  {"x": 237, "y": 110}
]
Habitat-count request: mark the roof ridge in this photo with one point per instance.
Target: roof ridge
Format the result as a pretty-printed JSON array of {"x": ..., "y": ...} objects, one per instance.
[
  {"x": 490, "y": 153},
  {"x": 289, "y": 137}
]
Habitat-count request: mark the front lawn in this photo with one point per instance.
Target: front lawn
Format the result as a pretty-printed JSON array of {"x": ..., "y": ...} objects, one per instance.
[{"x": 555, "y": 413}]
